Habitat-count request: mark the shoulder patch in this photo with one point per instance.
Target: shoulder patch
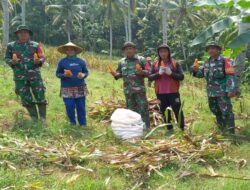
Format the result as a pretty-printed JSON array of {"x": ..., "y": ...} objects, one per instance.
[
  {"x": 11, "y": 44},
  {"x": 229, "y": 69},
  {"x": 34, "y": 44}
]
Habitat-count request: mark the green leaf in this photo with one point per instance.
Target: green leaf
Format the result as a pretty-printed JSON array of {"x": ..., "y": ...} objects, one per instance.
[
  {"x": 246, "y": 19},
  {"x": 244, "y": 4},
  {"x": 214, "y": 3},
  {"x": 213, "y": 29},
  {"x": 240, "y": 41}
]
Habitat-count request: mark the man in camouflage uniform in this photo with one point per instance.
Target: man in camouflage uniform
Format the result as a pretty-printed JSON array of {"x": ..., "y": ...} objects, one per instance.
[
  {"x": 221, "y": 86},
  {"x": 132, "y": 69},
  {"x": 25, "y": 57}
]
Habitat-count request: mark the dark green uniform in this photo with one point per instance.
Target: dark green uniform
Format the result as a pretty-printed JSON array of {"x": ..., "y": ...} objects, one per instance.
[
  {"x": 219, "y": 84},
  {"x": 27, "y": 76},
  {"x": 134, "y": 87}
]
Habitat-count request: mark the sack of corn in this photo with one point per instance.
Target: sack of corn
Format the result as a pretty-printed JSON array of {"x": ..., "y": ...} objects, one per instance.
[{"x": 127, "y": 124}]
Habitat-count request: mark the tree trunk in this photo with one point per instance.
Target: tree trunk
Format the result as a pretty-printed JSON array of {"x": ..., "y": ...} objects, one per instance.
[
  {"x": 6, "y": 20},
  {"x": 23, "y": 12},
  {"x": 129, "y": 22},
  {"x": 126, "y": 25},
  {"x": 68, "y": 33},
  {"x": 111, "y": 41},
  {"x": 241, "y": 57},
  {"x": 164, "y": 25}
]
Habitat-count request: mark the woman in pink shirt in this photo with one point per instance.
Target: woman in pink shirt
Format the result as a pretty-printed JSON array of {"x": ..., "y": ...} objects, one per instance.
[{"x": 167, "y": 75}]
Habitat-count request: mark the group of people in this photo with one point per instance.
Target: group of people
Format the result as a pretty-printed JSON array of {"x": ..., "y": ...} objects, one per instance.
[{"x": 25, "y": 57}]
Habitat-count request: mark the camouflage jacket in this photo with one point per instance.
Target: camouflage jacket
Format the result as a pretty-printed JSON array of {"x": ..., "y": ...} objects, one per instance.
[
  {"x": 132, "y": 82},
  {"x": 25, "y": 69},
  {"x": 219, "y": 75}
]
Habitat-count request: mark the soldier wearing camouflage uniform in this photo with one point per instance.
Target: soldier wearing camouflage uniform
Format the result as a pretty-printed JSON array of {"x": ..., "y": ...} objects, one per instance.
[
  {"x": 132, "y": 69},
  {"x": 25, "y": 57},
  {"x": 221, "y": 86}
]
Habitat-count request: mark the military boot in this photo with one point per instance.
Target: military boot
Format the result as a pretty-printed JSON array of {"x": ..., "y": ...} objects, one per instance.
[
  {"x": 42, "y": 113},
  {"x": 220, "y": 123},
  {"x": 231, "y": 124},
  {"x": 32, "y": 112}
]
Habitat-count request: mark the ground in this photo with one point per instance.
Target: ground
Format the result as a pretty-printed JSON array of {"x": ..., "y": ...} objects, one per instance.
[{"x": 18, "y": 172}]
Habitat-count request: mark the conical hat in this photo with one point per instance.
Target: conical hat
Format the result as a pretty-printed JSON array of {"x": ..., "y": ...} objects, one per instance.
[{"x": 62, "y": 48}]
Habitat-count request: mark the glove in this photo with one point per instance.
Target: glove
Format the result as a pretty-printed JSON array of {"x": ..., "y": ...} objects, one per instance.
[
  {"x": 80, "y": 75},
  {"x": 67, "y": 73},
  {"x": 168, "y": 71},
  {"x": 162, "y": 70}
]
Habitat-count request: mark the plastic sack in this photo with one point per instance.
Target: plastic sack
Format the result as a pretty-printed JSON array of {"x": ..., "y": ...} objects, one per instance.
[{"x": 127, "y": 124}]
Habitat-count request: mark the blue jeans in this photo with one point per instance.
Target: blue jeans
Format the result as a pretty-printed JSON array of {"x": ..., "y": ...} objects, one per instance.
[{"x": 77, "y": 104}]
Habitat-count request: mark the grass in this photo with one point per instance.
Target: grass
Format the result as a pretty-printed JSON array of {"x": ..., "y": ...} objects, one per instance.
[{"x": 14, "y": 123}]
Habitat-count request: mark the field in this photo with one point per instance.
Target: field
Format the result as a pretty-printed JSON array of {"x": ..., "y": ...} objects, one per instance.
[{"x": 23, "y": 169}]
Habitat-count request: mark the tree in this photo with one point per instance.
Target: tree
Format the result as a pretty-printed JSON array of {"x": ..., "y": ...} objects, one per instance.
[
  {"x": 23, "y": 12},
  {"x": 112, "y": 6},
  {"x": 6, "y": 16},
  {"x": 131, "y": 8},
  {"x": 186, "y": 15},
  {"x": 67, "y": 12},
  {"x": 238, "y": 43}
]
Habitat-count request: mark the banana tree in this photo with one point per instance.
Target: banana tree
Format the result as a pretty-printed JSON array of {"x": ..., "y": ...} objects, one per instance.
[{"x": 242, "y": 21}]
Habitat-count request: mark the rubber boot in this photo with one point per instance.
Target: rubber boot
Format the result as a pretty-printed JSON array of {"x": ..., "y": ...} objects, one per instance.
[
  {"x": 220, "y": 123},
  {"x": 231, "y": 124},
  {"x": 32, "y": 112},
  {"x": 42, "y": 113}
]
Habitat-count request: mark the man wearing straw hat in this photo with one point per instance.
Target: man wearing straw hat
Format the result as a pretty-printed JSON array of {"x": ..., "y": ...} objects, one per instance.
[
  {"x": 26, "y": 57},
  {"x": 72, "y": 71},
  {"x": 132, "y": 70}
]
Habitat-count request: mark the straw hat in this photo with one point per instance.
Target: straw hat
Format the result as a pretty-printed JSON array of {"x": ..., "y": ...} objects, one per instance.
[{"x": 62, "y": 49}]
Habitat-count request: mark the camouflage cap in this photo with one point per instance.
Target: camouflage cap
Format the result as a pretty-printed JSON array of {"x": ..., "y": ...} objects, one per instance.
[
  {"x": 128, "y": 44},
  {"x": 213, "y": 44},
  {"x": 23, "y": 27}
]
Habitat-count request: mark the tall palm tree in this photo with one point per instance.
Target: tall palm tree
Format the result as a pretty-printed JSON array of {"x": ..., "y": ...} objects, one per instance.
[
  {"x": 112, "y": 6},
  {"x": 23, "y": 5},
  {"x": 164, "y": 22},
  {"x": 68, "y": 11},
  {"x": 185, "y": 14},
  {"x": 131, "y": 9}
]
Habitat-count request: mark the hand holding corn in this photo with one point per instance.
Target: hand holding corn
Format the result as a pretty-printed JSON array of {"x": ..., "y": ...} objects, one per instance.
[
  {"x": 67, "y": 73},
  {"x": 111, "y": 70},
  {"x": 14, "y": 59},
  {"x": 80, "y": 75}
]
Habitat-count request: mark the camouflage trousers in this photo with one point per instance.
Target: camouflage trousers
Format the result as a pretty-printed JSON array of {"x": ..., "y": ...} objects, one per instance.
[
  {"x": 138, "y": 102},
  {"x": 31, "y": 92},
  {"x": 222, "y": 109}
]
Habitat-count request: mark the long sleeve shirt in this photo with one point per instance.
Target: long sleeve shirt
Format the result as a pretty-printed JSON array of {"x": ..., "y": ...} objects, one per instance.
[
  {"x": 219, "y": 74},
  {"x": 165, "y": 84},
  {"x": 75, "y": 65}
]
